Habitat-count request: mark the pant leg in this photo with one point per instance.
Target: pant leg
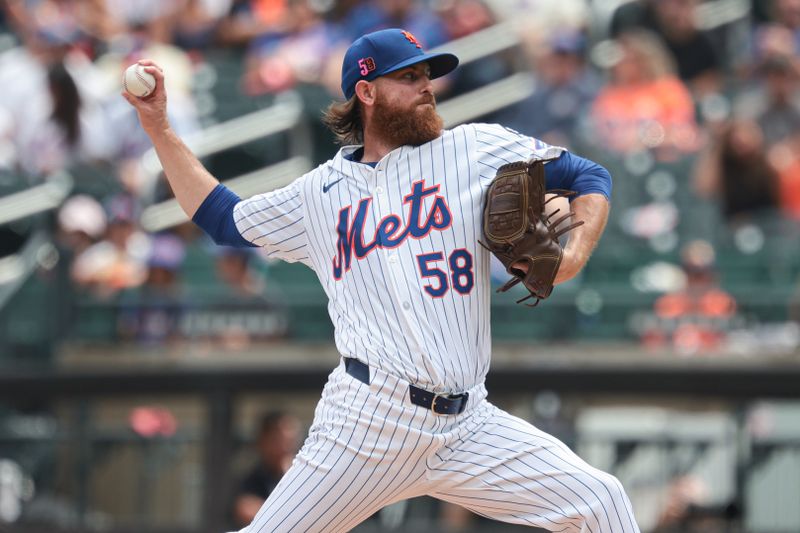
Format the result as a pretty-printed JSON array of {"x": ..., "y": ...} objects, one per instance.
[
  {"x": 504, "y": 468},
  {"x": 362, "y": 453}
]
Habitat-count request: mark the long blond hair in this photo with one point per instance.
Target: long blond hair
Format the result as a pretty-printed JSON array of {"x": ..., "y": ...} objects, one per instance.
[{"x": 345, "y": 121}]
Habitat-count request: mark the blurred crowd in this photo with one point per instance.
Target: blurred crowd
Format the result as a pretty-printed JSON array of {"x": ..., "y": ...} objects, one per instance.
[
  {"x": 680, "y": 81},
  {"x": 695, "y": 104}
]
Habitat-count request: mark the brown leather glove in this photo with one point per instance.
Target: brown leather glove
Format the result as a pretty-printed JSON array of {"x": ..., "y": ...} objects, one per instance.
[{"x": 519, "y": 232}]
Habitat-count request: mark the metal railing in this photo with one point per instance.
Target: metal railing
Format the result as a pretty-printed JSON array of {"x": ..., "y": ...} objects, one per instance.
[
  {"x": 36, "y": 199},
  {"x": 17, "y": 267},
  {"x": 487, "y": 99},
  {"x": 283, "y": 115},
  {"x": 166, "y": 214},
  {"x": 710, "y": 15},
  {"x": 483, "y": 43}
]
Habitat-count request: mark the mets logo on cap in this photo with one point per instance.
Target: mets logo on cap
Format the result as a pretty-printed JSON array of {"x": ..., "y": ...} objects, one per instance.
[
  {"x": 385, "y": 51},
  {"x": 413, "y": 40}
]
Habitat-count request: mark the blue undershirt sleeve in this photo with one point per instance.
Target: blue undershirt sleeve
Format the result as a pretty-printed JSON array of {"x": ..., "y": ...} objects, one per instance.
[
  {"x": 577, "y": 174},
  {"x": 215, "y": 217}
]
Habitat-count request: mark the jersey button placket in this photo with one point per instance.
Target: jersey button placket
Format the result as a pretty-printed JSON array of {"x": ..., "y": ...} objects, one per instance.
[
  {"x": 395, "y": 271},
  {"x": 384, "y": 209}
]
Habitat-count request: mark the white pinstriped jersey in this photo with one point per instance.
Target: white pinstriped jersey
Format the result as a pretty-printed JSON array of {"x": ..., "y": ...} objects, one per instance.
[{"x": 396, "y": 250}]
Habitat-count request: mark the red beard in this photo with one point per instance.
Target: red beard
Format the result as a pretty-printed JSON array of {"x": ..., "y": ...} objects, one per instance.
[{"x": 402, "y": 125}]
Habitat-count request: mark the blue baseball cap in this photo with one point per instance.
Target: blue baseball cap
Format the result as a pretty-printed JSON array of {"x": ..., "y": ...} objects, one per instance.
[{"x": 385, "y": 51}]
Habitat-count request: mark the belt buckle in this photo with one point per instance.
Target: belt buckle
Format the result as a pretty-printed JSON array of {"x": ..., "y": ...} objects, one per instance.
[{"x": 433, "y": 403}]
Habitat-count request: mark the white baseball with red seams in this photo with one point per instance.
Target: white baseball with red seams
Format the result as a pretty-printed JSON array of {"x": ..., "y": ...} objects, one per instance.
[{"x": 137, "y": 81}]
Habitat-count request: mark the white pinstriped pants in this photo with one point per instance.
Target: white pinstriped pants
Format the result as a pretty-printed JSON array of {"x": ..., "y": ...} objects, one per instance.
[{"x": 369, "y": 446}]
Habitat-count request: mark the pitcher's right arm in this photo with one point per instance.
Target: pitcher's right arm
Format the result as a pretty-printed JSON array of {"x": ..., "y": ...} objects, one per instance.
[
  {"x": 190, "y": 181},
  {"x": 271, "y": 220}
]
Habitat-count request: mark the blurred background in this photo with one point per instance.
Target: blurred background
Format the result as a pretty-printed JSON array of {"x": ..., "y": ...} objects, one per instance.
[{"x": 152, "y": 382}]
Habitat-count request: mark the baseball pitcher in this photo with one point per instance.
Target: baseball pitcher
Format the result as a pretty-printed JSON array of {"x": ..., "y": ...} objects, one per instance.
[{"x": 399, "y": 227}]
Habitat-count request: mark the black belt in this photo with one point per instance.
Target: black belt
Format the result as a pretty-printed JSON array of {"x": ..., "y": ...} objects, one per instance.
[{"x": 452, "y": 404}]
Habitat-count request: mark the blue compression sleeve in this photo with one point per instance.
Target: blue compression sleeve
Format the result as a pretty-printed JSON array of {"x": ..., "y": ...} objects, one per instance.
[
  {"x": 215, "y": 216},
  {"x": 577, "y": 174}
]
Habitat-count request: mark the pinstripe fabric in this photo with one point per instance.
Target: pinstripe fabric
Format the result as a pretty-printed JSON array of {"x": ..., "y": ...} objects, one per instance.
[
  {"x": 415, "y": 309},
  {"x": 379, "y": 307},
  {"x": 370, "y": 446},
  {"x": 504, "y": 468}
]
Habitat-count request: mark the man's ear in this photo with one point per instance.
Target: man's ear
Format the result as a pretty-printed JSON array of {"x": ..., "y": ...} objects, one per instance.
[{"x": 365, "y": 91}]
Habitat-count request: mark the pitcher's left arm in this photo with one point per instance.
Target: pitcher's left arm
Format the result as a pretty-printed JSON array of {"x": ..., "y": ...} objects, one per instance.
[{"x": 592, "y": 185}]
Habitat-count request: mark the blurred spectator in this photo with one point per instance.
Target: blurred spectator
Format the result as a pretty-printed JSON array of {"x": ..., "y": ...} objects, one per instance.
[
  {"x": 151, "y": 313},
  {"x": 119, "y": 261},
  {"x": 565, "y": 87},
  {"x": 80, "y": 22},
  {"x": 774, "y": 102},
  {"x": 56, "y": 121},
  {"x": 81, "y": 222},
  {"x": 239, "y": 311},
  {"x": 56, "y": 98},
  {"x": 412, "y": 15},
  {"x": 297, "y": 53},
  {"x": 247, "y": 19},
  {"x": 771, "y": 40},
  {"x": 687, "y": 509},
  {"x": 454, "y": 518},
  {"x": 80, "y": 126},
  {"x": 11, "y": 16},
  {"x": 66, "y": 110},
  {"x": 195, "y": 24},
  {"x": 98, "y": 23},
  {"x": 776, "y": 34},
  {"x": 645, "y": 106},
  {"x": 233, "y": 269},
  {"x": 735, "y": 168},
  {"x": 541, "y": 16},
  {"x": 276, "y": 445},
  {"x": 465, "y": 17},
  {"x": 786, "y": 159},
  {"x": 151, "y": 16},
  {"x": 783, "y": 15},
  {"x": 682, "y": 494},
  {"x": 787, "y": 13},
  {"x": 696, "y": 316},
  {"x": 674, "y": 21}
]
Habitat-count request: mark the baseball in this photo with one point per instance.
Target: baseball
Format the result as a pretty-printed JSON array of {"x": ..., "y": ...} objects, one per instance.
[{"x": 137, "y": 81}]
